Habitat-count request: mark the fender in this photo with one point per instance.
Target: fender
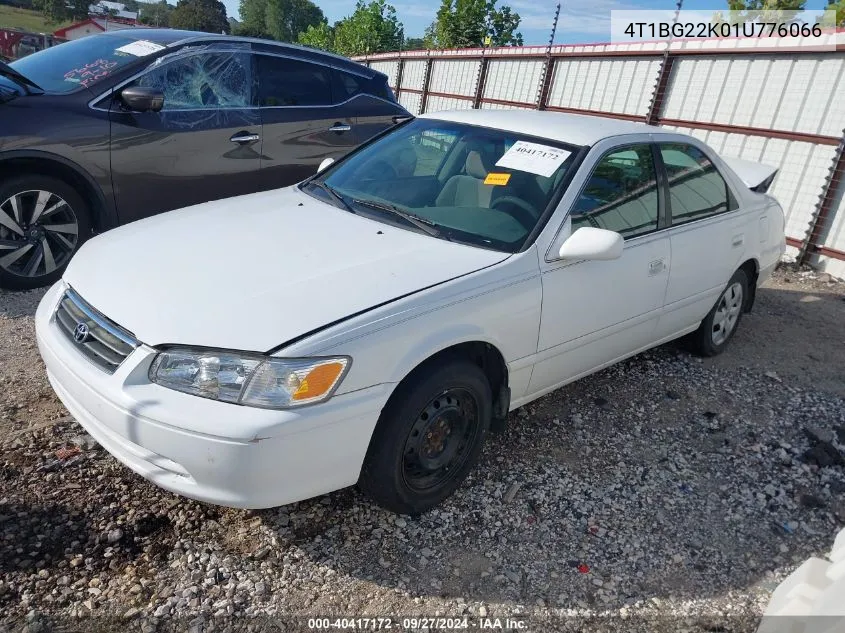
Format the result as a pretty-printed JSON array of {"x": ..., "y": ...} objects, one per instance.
[{"x": 104, "y": 207}]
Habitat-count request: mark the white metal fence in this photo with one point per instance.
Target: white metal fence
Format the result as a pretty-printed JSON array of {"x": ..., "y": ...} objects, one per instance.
[{"x": 764, "y": 100}]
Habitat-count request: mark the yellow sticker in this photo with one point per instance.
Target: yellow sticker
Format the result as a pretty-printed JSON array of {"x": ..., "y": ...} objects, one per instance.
[{"x": 497, "y": 179}]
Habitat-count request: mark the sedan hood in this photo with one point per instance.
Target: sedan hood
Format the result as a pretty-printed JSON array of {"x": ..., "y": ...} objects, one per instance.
[{"x": 253, "y": 272}]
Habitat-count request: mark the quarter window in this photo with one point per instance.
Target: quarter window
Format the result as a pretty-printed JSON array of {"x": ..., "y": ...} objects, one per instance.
[
  {"x": 288, "y": 82},
  {"x": 621, "y": 195},
  {"x": 207, "y": 80},
  {"x": 696, "y": 190}
]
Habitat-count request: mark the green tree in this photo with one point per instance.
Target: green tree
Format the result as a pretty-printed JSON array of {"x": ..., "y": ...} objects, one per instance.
[
  {"x": 77, "y": 10},
  {"x": 839, "y": 8},
  {"x": 281, "y": 20},
  {"x": 155, "y": 13},
  {"x": 417, "y": 43},
  {"x": 777, "y": 10},
  {"x": 371, "y": 28},
  {"x": 200, "y": 15},
  {"x": 468, "y": 23},
  {"x": 54, "y": 11},
  {"x": 286, "y": 19},
  {"x": 320, "y": 36}
]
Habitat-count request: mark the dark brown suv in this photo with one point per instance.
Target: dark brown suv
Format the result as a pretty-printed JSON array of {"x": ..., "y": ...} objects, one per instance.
[{"x": 115, "y": 127}]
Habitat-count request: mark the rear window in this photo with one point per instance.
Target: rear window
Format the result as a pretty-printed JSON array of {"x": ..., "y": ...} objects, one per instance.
[{"x": 348, "y": 85}]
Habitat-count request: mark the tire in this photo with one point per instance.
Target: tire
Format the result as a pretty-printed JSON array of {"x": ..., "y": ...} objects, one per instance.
[
  {"x": 428, "y": 437},
  {"x": 721, "y": 323},
  {"x": 32, "y": 254}
]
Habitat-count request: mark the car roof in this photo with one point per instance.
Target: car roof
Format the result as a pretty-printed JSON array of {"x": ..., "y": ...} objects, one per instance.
[
  {"x": 575, "y": 129},
  {"x": 176, "y": 37}
]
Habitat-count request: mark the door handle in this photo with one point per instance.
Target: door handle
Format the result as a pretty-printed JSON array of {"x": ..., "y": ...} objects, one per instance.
[
  {"x": 738, "y": 240},
  {"x": 244, "y": 137},
  {"x": 340, "y": 127},
  {"x": 656, "y": 266}
]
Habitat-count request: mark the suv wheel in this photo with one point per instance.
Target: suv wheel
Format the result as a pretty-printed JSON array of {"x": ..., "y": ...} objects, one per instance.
[{"x": 43, "y": 222}]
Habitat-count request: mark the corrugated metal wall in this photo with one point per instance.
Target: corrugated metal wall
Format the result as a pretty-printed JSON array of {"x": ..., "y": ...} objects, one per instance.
[{"x": 761, "y": 100}]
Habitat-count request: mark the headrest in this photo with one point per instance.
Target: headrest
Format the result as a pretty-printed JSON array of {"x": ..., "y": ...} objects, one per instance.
[{"x": 475, "y": 166}]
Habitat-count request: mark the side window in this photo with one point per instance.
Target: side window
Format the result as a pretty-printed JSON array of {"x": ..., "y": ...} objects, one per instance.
[
  {"x": 206, "y": 80},
  {"x": 621, "y": 195},
  {"x": 288, "y": 82},
  {"x": 696, "y": 190},
  {"x": 348, "y": 85}
]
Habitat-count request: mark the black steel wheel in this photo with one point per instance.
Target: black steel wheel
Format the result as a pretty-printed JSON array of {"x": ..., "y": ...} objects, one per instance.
[
  {"x": 43, "y": 222},
  {"x": 428, "y": 437}
]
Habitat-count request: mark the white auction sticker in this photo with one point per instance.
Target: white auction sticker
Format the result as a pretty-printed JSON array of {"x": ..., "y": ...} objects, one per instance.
[
  {"x": 533, "y": 158},
  {"x": 140, "y": 48}
]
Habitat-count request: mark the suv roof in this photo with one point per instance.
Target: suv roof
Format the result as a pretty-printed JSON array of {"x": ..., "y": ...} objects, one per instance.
[{"x": 176, "y": 37}]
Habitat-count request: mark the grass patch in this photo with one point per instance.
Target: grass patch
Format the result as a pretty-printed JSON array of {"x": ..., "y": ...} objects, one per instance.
[{"x": 15, "y": 18}]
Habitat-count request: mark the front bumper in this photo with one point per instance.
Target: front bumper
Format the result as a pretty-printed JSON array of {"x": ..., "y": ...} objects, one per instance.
[{"x": 211, "y": 451}]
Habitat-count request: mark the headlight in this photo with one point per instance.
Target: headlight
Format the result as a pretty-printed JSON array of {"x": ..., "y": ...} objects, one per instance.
[{"x": 253, "y": 380}]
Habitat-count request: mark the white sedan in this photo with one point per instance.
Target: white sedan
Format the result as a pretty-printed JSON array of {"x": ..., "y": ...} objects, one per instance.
[{"x": 373, "y": 323}]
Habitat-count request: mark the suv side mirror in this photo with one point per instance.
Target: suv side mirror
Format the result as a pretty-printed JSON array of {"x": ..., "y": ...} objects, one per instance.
[
  {"x": 326, "y": 163},
  {"x": 139, "y": 99},
  {"x": 591, "y": 243}
]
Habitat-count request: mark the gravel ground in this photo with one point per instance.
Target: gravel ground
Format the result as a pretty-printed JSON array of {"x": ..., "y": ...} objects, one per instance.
[{"x": 667, "y": 493}]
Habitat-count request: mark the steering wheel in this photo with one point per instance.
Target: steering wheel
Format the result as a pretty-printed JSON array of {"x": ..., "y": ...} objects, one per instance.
[{"x": 519, "y": 210}]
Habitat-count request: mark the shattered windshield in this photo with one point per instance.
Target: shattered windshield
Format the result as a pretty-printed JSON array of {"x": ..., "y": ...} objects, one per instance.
[
  {"x": 203, "y": 80},
  {"x": 81, "y": 63}
]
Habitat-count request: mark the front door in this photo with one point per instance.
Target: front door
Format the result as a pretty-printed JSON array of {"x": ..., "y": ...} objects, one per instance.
[
  {"x": 595, "y": 312},
  {"x": 301, "y": 124},
  {"x": 203, "y": 145}
]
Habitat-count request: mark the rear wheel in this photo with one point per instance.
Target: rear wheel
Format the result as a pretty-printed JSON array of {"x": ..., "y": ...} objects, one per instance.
[
  {"x": 428, "y": 438},
  {"x": 43, "y": 222},
  {"x": 720, "y": 324}
]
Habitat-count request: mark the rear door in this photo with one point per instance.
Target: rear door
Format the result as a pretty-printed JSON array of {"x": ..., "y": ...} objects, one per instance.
[
  {"x": 708, "y": 234},
  {"x": 301, "y": 123},
  {"x": 203, "y": 145},
  {"x": 370, "y": 101}
]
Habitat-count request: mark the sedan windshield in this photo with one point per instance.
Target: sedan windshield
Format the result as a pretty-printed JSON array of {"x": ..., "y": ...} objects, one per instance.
[
  {"x": 465, "y": 183},
  {"x": 80, "y": 63}
]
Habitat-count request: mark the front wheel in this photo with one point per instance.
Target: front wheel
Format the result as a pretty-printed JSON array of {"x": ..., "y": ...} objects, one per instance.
[
  {"x": 43, "y": 222},
  {"x": 428, "y": 437},
  {"x": 720, "y": 324}
]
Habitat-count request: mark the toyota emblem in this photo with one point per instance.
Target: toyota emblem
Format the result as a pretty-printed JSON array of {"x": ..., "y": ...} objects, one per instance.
[{"x": 80, "y": 333}]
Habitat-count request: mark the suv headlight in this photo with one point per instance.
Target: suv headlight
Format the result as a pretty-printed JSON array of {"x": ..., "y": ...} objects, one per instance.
[{"x": 252, "y": 380}]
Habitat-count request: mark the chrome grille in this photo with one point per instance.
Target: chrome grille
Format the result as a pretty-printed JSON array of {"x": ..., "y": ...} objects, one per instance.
[{"x": 103, "y": 342}]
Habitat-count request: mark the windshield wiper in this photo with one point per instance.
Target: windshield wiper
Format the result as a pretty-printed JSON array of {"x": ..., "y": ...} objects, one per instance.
[
  {"x": 334, "y": 194},
  {"x": 21, "y": 80},
  {"x": 423, "y": 224}
]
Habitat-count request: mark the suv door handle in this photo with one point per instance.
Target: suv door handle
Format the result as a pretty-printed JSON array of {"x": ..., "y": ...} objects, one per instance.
[
  {"x": 656, "y": 266},
  {"x": 244, "y": 137},
  {"x": 340, "y": 127}
]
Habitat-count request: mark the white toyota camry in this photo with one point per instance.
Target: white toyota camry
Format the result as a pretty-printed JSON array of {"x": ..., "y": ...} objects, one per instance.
[{"x": 371, "y": 324}]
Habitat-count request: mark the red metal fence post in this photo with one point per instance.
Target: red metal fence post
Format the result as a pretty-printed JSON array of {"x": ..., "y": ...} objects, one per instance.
[
  {"x": 655, "y": 108},
  {"x": 482, "y": 80},
  {"x": 426, "y": 80},
  {"x": 833, "y": 186},
  {"x": 399, "y": 70}
]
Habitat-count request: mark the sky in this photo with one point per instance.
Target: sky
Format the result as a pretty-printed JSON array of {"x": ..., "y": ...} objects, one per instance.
[{"x": 581, "y": 21}]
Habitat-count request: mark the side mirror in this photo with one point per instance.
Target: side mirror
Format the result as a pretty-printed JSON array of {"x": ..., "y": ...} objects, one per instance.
[
  {"x": 592, "y": 243},
  {"x": 140, "y": 99},
  {"x": 326, "y": 162}
]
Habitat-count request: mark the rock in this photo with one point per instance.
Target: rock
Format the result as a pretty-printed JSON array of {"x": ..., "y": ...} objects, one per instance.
[
  {"x": 130, "y": 613},
  {"x": 400, "y": 522},
  {"x": 511, "y": 493},
  {"x": 817, "y": 434},
  {"x": 482, "y": 611},
  {"x": 114, "y": 535},
  {"x": 823, "y": 455},
  {"x": 773, "y": 375},
  {"x": 811, "y": 501}
]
